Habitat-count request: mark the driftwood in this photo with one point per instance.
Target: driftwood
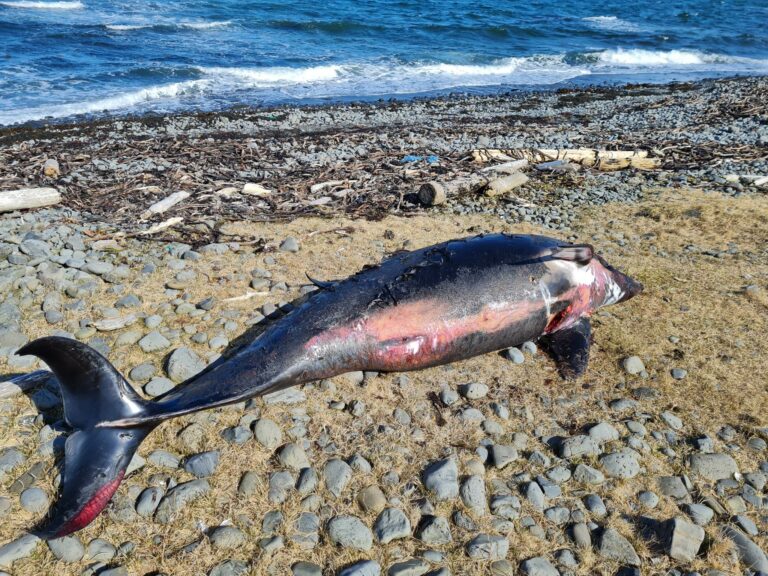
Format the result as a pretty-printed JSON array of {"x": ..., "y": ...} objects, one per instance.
[
  {"x": 605, "y": 160},
  {"x": 503, "y": 185},
  {"x": 435, "y": 193},
  {"x": 320, "y": 186},
  {"x": 165, "y": 204},
  {"x": 507, "y": 167},
  {"x": 162, "y": 226},
  {"x": 25, "y": 198},
  {"x": 251, "y": 189}
]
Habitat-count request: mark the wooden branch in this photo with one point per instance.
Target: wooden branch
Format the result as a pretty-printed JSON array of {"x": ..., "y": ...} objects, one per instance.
[
  {"x": 606, "y": 160},
  {"x": 435, "y": 193},
  {"x": 26, "y": 198},
  {"x": 503, "y": 185}
]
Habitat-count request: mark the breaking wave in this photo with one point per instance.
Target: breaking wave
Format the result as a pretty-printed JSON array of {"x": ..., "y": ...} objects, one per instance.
[
  {"x": 216, "y": 87},
  {"x": 29, "y": 4}
]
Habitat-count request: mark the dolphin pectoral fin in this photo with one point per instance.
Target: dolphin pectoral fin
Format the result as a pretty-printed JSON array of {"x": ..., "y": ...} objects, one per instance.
[{"x": 569, "y": 348}]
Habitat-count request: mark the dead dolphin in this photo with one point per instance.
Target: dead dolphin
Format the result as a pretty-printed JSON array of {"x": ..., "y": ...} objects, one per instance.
[{"x": 436, "y": 305}]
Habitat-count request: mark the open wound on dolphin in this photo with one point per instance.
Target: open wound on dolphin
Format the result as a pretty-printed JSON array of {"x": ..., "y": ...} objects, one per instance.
[{"x": 417, "y": 334}]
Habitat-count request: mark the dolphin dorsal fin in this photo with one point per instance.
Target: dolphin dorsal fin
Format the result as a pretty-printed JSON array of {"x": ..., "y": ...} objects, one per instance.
[
  {"x": 320, "y": 284},
  {"x": 580, "y": 253}
]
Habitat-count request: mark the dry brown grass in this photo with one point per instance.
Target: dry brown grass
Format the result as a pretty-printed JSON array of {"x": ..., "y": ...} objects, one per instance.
[{"x": 693, "y": 296}]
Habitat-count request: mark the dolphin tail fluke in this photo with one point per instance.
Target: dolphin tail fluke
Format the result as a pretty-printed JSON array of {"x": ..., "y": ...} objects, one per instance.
[{"x": 96, "y": 454}]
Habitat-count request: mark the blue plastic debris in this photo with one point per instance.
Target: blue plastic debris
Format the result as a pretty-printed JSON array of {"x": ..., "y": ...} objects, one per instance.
[
  {"x": 410, "y": 158},
  {"x": 433, "y": 159}
]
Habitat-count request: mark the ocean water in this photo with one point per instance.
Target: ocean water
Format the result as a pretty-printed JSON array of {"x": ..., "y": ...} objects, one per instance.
[{"x": 69, "y": 57}]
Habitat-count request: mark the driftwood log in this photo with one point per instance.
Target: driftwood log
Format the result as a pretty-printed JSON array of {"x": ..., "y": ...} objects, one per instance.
[
  {"x": 605, "y": 160},
  {"x": 436, "y": 193},
  {"x": 26, "y": 198},
  {"x": 501, "y": 186}
]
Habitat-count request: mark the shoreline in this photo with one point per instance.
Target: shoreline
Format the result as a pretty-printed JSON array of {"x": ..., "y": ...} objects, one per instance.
[
  {"x": 711, "y": 134},
  {"x": 590, "y": 83}
]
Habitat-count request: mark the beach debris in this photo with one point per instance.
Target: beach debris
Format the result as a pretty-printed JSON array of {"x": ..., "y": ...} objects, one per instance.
[
  {"x": 410, "y": 158},
  {"x": 25, "y": 198},
  {"x": 435, "y": 193},
  {"x": 507, "y": 167},
  {"x": 165, "y": 204},
  {"x": 320, "y": 186},
  {"x": 162, "y": 226},
  {"x": 51, "y": 168},
  {"x": 605, "y": 160},
  {"x": 557, "y": 166},
  {"x": 441, "y": 190},
  {"x": 502, "y": 185},
  {"x": 252, "y": 189},
  {"x": 227, "y": 192},
  {"x": 761, "y": 182},
  {"x": 432, "y": 194}
]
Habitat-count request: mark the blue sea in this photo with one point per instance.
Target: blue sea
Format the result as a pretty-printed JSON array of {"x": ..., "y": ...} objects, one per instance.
[{"x": 73, "y": 57}]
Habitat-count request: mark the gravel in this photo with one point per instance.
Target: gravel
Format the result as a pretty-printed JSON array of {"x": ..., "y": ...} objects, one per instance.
[
  {"x": 148, "y": 501},
  {"x": 633, "y": 365},
  {"x": 34, "y": 500},
  {"x": 178, "y": 497},
  {"x": 621, "y": 465},
  {"x": 390, "y": 525},
  {"x": 268, "y": 433},
  {"x": 202, "y": 465},
  {"x": 442, "y": 479},
  {"x": 362, "y": 568},
  {"x": 154, "y": 342},
  {"x": 684, "y": 539},
  {"x": 434, "y": 530},
  {"x": 182, "y": 364},
  {"x": 18, "y": 549},
  {"x": 350, "y": 532},
  {"x": 488, "y": 547},
  {"x": 67, "y": 549},
  {"x": 226, "y": 537},
  {"x": 371, "y": 499},
  {"x": 713, "y": 467},
  {"x": 614, "y": 546},
  {"x": 337, "y": 475},
  {"x": 538, "y": 566}
]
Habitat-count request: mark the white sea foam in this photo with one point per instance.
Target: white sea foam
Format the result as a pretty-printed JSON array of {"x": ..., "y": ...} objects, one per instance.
[
  {"x": 499, "y": 68},
  {"x": 117, "y": 102},
  {"x": 185, "y": 25},
  {"x": 204, "y": 25},
  {"x": 611, "y": 23},
  {"x": 29, "y": 4},
  {"x": 655, "y": 58},
  {"x": 126, "y": 27}
]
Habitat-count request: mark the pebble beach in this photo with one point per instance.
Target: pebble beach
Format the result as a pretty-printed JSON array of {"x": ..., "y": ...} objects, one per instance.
[{"x": 655, "y": 462}]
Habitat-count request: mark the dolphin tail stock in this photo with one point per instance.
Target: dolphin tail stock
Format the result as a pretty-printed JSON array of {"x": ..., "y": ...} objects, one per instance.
[{"x": 96, "y": 454}]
